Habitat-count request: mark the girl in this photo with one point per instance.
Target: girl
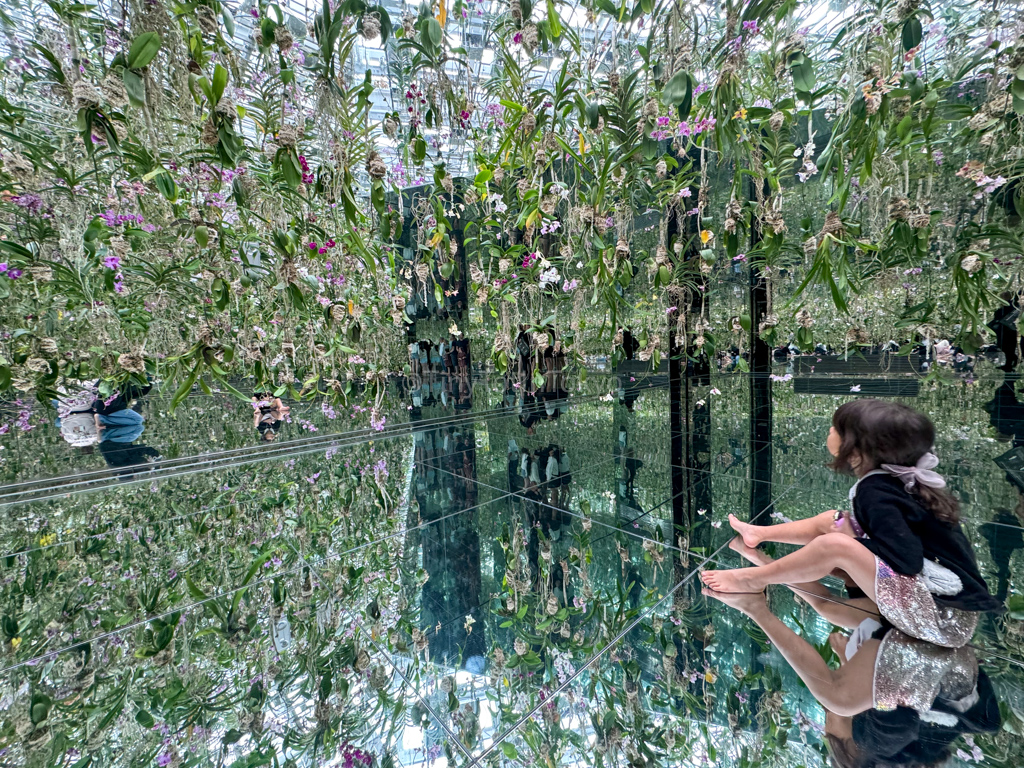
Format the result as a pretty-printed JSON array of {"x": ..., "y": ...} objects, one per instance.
[
  {"x": 902, "y": 545},
  {"x": 893, "y": 701}
]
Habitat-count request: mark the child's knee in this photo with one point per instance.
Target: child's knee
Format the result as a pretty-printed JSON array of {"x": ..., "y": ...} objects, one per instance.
[{"x": 835, "y": 543}]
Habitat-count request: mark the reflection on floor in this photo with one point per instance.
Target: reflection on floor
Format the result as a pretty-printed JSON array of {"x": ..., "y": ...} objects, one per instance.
[{"x": 487, "y": 575}]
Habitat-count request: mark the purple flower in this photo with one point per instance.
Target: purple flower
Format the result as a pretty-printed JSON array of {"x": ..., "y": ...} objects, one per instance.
[
  {"x": 112, "y": 263},
  {"x": 31, "y": 203},
  {"x": 517, "y": 38},
  {"x": 3, "y": 267},
  {"x": 163, "y": 759},
  {"x": 14, "y": 274},
  {"x": 312, "y": 246},
  {"x": 751, "y": 27}
]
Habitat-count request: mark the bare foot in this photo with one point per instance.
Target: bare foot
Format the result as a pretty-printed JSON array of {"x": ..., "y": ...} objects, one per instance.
[
  {"x": 751, "y": 533},
  {"x": 735, "y": 580},
  {"x": 746, "y": 602},
  {"x": 755, "y": 556}
]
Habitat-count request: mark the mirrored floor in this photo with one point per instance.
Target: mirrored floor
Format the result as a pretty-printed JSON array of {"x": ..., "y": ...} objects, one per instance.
[{"x": 481, "y": 577}]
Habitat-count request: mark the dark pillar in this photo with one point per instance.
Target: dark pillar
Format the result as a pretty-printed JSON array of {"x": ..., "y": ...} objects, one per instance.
[
  {"x": 1005, "y": 326},
  {"x": 760, "y": 386}
]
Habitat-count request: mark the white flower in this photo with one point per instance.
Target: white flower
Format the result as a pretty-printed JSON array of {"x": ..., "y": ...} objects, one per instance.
[
  {"x": 855, "y": 388},
  {"x": 499, "y": 204},
  {"x": 714, "y": 391},
  {"x": 549, "y": 277},
  {"x": 702, "y": 511},
  {"x": 716, "y": 523}
]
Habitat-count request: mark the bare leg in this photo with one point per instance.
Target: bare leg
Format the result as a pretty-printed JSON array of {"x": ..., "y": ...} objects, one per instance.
[
  {"x": 796, "y": 532},
  {"x": 844, "y": 691},
  {"x": 810, "y": 563},
  {"x": 846, "y": 613}
]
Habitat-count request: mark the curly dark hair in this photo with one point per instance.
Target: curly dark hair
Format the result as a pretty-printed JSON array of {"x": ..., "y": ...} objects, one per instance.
[
  {"x": 844, "y": 754},
  {"x": 890, "y": 433}
]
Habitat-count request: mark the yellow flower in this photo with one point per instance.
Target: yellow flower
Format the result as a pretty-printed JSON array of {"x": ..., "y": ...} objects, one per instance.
[
  {"x": 47, "y": 539},
  {"x": 706, "y": 236},
  {"x": 709, "y": 677},
  {"x": 741, "y": 114},
  {"x": 15, "y": 643},
  {"x": 583, "y": 145}
]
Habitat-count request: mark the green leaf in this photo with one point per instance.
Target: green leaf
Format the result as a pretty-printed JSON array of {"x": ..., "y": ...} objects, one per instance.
[
  {"x": 202, "y": 236},
  {"x": 1015, "y": 606},
  {"x": 182, "y": 391},
  {"x": 204, "y": 86},
  {"x": 143, "y": 50},
  {"x": 228, "y": 19},
  {"x": 593, "y": 114},
  {"x": 232, "y": 737},
  {"x": 677, "y": 89},
  {"x": 143, "y": 718},
  {"x": 166, "y": 186},
  {"x": 292, "y": 175},
  {"x": 220, "y": 82},
  {"x": 39, "y": 708},
  {"x": 434, "y": 32},
  {"x": 221, "y": 294},
  {"x": 510, "y": 751},
  {"x": 912, "y": 33},
  {"x": 21, "y": 252},
  {"x": 135, "y": 86},
  {"x": 419, "y": 150},
  {"x": 802, "y": 69},
  {"x": 554, "y": 22},
  {"x": 903, "y": 127}
]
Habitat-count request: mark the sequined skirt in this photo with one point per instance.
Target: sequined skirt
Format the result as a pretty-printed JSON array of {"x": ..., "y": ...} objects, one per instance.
[
  {"x": 908, "y": 605},
  {"x": 912, "y": 673}
]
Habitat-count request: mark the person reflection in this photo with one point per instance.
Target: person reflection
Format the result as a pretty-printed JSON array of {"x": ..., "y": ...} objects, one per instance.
[
  {"x": 894, "y": 700},
  {"x": 1004, "y": 537},
  {"x": 268, "y": 415},
  {"x": 628, "y": 464}
]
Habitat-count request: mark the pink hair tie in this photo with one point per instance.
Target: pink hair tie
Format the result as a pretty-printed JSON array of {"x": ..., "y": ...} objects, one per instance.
[{"x": 920, "y": 473}]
